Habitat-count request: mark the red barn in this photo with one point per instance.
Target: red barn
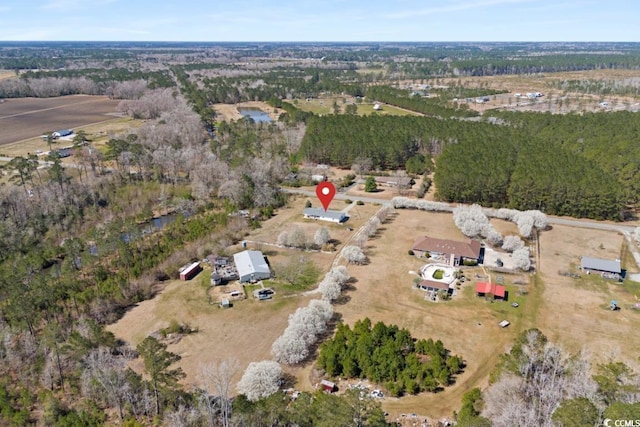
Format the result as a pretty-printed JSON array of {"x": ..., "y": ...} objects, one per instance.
[
  {"x": 190, "y": 271},
  {"x": 328, "y": 386}
]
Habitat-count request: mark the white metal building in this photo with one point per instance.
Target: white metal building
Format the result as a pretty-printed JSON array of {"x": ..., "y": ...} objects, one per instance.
[{"x": 251, "y": 266}]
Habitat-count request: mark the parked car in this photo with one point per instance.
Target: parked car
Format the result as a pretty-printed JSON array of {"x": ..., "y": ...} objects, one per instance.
[{"x": 377, "y": 393}]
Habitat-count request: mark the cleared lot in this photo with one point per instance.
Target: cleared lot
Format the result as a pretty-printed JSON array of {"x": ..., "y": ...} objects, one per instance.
[{"x": 25, "y": 118}]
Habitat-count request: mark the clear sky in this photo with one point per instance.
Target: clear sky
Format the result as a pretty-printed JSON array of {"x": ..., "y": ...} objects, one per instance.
[{"x": 320, "y": 20}]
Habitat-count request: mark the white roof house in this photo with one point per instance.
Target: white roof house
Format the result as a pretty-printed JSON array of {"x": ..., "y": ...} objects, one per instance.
[
  {"x": 329, "y": 215},
  {"x": 251, "y": 265}
]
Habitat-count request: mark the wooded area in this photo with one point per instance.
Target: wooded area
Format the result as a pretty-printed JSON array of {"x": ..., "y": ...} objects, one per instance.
[{"x": 389, "y": 355}]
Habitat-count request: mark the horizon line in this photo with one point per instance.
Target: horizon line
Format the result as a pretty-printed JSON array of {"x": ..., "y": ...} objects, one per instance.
[{"x": 319, "y": 41}]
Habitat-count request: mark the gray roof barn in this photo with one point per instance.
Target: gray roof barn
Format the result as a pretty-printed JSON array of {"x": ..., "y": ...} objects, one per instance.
[
  {"x": 251, "y": 265},
  {"x": 329, "y": 215},
  {"x": 597, "y": 264}
]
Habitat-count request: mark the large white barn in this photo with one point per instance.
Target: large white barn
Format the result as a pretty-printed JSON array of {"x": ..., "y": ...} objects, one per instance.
[{"x": 251, "y": 266}]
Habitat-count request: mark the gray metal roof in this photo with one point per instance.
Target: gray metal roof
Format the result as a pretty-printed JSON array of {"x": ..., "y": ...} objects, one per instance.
[
  {"x": 250, "y": 262},
  {"x": 612, "y": 266},
  {"x": 320, "y": 213}
]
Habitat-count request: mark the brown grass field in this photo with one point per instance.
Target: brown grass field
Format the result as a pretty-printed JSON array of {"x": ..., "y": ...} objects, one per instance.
[
  {"x": 575, "y": 311},
  {"x": 246, "y": 331},
  {"x": 571, "y": 312},
  {"x": 26, "y": 118},
  {"x": 466, "y": 325},
  {"x": 6, "y": 74}
]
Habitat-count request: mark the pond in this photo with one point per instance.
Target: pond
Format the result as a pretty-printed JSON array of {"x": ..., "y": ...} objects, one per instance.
[
  {"x": 256, "y": 114},
  {"x": 148, "y": 227}
]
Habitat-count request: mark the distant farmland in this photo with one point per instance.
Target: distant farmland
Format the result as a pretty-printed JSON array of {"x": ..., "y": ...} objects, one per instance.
[{"x": 23, "y": 118}]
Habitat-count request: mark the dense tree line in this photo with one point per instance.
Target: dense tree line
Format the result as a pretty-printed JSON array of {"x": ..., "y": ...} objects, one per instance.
[
  {"x": 607, "y": 140},
  {"x": 156, "y": 79},
  {"x": 625, "y": 87},
  {"x": 47, "y": 87},
  {"x": 580, "y": 165},
  {"x": 389, "y": 355},
  {"x": 309, "y": 410},
  {"x": 389, "y": 142}
]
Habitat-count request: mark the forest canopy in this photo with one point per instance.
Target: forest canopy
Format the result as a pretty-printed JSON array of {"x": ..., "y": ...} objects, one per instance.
[{"x": 389, "y": 355}]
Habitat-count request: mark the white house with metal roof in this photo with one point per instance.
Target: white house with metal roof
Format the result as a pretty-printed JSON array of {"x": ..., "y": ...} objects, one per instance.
[
  {"x": 251, "y": 266},
  {"x": 328, "y": 215}
]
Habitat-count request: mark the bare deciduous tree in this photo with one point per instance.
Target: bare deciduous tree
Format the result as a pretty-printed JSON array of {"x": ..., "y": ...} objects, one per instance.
[
  {"x": 283, "y": 239},
  {"x": 105, "y": 376},
  {"x": 540, "y": 376},
  {"x": 217, "y": 379},
  {"x": 321, "y": 236}
]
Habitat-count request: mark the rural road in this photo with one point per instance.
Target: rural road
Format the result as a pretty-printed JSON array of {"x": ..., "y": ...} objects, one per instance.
[{"x": 570, "y": 222}]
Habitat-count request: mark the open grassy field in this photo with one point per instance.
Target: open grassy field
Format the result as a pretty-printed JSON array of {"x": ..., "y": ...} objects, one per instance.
[
  {"x": 572, "y": 312},
  {"x": 98, "y": 133},
  {"x": 25, "y": 118},
  {"x": 467, "y": 325},
  {"x": 566, "y": 310},
  {"x": 324, "y": 105},
  {"x": 6, "y": 74},
  {"x": 575, "y": 311},
  {"x": 246, "y": 331}
]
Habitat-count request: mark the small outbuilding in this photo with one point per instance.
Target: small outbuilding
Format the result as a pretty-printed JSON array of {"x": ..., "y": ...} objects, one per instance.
[
  {"x": 251, "y": 266},
  {"x": 328, "y": 386},
  {"x": 484, "y": 289},
  {"x": 328, "y": 215},
  {"x": 225, "y": 303},
  {"x": 190, "y": 271}
]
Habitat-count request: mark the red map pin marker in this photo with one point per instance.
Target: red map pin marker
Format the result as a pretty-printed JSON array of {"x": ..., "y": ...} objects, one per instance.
[{"x": 325, "y": 192}]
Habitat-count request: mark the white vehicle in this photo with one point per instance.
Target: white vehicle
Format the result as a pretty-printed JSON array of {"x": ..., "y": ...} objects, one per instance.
[{"x": 377, "y": 393}]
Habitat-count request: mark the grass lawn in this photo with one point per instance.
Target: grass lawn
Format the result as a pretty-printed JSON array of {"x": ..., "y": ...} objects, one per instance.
[
  {"x": 243, "y": 332},
  {"x": 324, "y": 106},
  {"x": 97, "y": 133}
]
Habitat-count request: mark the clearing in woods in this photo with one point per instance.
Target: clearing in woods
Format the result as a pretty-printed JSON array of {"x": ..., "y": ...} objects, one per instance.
[
  {"x": 245, "y": 331},
  {"x": 24, "y": 118}
]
